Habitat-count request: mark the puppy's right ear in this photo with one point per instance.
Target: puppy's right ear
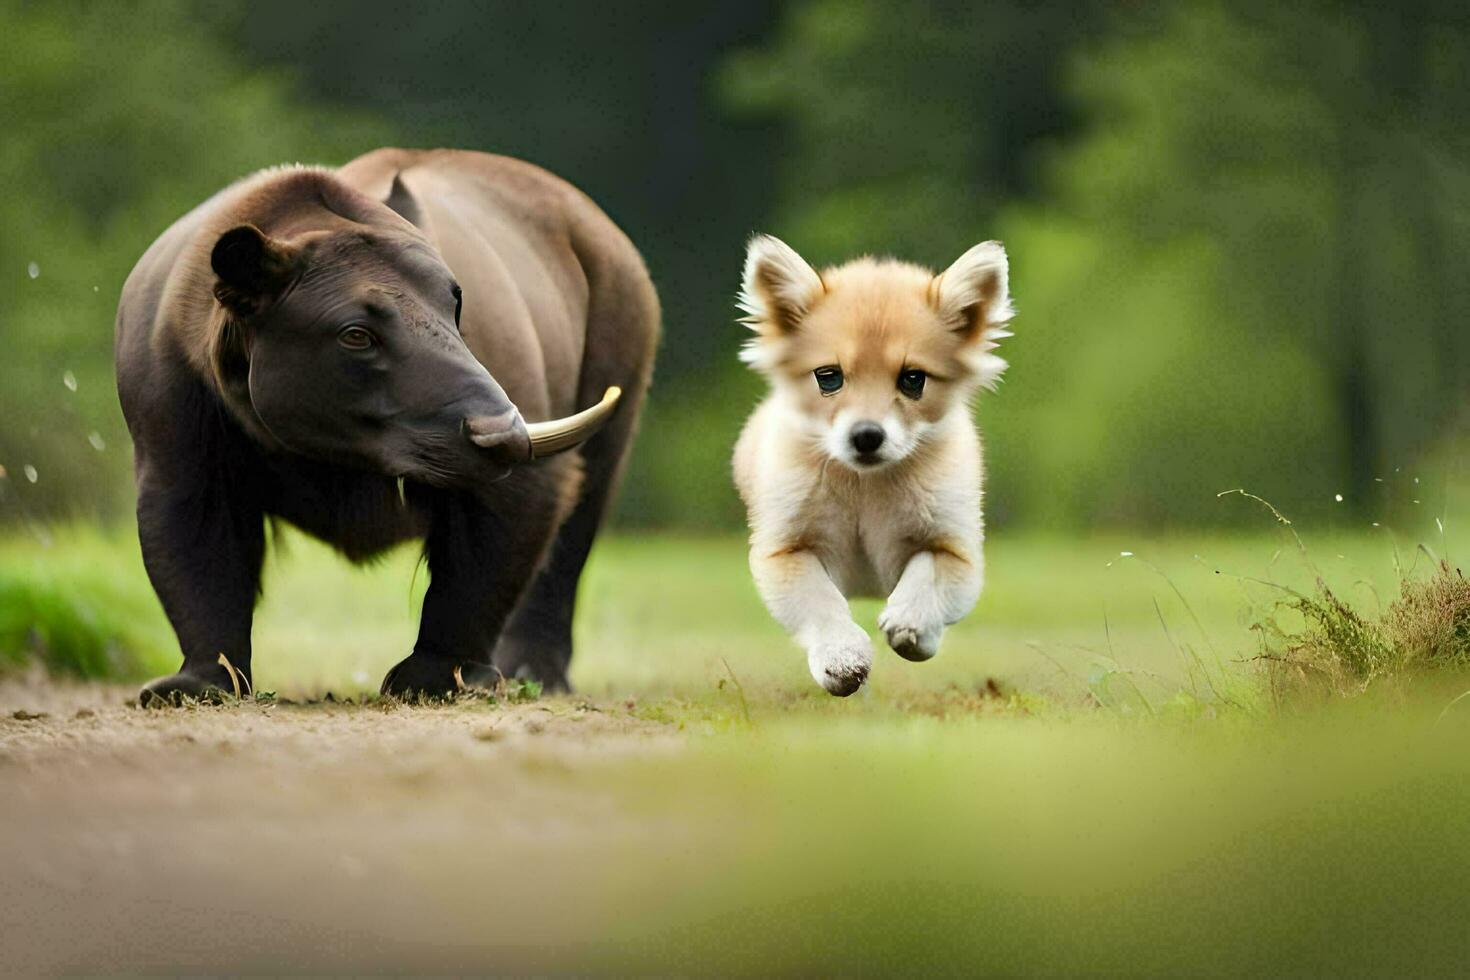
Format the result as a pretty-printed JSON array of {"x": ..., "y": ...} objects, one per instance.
[
  {"x": 973, "y": 296},
  {"x": 252, "y": 267},
  {"x": 778, "y": 288}
]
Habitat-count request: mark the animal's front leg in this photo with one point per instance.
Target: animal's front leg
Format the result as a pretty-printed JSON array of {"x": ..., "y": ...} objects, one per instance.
[
  {"x": 799, "y": 593},
  {"x": 937, "y": 588},
  {"x": 203, "y": 540},
  {"x": 481, "y": 558}
]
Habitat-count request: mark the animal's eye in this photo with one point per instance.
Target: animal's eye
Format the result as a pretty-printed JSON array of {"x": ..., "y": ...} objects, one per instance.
[
  {"x": 356, "y": 338},
  {"x": 829, "y": 379},
  {"x": 911, "y": 382},
  {"x": 458, "y": 303}
]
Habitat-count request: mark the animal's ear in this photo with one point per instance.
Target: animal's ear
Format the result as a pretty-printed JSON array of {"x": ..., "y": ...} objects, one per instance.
[
  {"x": 973, "y": 297},
  {"x": 401, "y": 200},
  {"x": 252, "y": 267},
  {"x": 778, "y": 288}
]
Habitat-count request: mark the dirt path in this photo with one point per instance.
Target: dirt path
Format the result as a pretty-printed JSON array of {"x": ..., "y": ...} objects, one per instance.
[{"x": 280, "y": 837}]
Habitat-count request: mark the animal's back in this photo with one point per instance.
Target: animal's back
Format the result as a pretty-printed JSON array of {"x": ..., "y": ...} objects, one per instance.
[{"x": 538, "y": 257}]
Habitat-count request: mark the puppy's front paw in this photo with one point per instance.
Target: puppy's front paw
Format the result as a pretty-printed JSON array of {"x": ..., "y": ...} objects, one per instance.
[
  {"x": 841, "y": 663},
  {"x": 912, "y": 631}
]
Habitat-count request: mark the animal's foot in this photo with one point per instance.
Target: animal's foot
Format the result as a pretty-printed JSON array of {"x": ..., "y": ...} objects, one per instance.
[
  {"x": 539, "y": 663},
  {"x": 913, "y": 631},
  {"x": 198, "y": 682},
  {"x": 420, "y": 675},
  {"x": 841, "y": 663},
  {"x": 553, "y": 680}
]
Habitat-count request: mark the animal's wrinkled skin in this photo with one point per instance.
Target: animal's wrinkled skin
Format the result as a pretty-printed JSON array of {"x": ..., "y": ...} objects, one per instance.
[{"x": 358, "y": 352}]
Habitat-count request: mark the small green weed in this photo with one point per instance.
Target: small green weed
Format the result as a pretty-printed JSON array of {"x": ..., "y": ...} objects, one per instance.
[{"x": 512, "y": 690}]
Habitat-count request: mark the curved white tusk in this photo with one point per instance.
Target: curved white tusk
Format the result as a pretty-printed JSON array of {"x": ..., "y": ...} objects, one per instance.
[{"x": 558, "y": 435}]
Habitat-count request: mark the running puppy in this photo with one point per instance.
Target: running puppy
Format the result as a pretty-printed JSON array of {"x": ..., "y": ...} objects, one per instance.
[{"x": 861, "y": 470}]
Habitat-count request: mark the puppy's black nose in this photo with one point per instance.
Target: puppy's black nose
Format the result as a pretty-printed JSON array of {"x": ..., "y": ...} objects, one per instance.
[{"x": 866, "y": 437}]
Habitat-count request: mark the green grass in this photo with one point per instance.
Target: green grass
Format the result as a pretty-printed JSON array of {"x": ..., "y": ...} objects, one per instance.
[
  {"x": 1136, "y": 623},
  {"x": 80, "y": 605},
  {"x": 1091, "y": 777}
]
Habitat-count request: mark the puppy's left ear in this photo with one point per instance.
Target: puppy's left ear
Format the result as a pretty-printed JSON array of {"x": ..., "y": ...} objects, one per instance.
[{"x": 973, "y": 297}]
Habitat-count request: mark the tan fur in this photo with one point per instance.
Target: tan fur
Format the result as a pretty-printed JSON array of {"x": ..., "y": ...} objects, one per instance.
[{"x": 823, "y": 526}]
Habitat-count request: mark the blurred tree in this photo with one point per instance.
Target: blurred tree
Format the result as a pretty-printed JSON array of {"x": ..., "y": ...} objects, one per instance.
[
  {"x": 1242, "y": 271},
  {"x": 616, "y": 99},
  {"x": 1320, "y": 150},
  {"x": 1237, "y": 228},
  {"x": 911, "y": 124},
  {"x": 119, "y": 117}
]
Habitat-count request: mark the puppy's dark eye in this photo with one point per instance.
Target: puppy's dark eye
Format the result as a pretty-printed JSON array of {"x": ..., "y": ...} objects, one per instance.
[
  {"x": 829, "y": 379},
  {"x": 458, "y": 303},
  {"x": 356, "y": 338},
  {"x": 911, "y": 382}
]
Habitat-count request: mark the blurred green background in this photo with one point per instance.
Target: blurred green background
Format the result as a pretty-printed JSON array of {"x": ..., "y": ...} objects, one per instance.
[
  {"x": 1239, "y": 234},
  {"x": 1238, "y": 231}
]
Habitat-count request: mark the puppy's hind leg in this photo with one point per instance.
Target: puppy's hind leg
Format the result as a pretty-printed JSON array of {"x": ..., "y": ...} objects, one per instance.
[
  {"x": 799, "y": 593},
  {"x": 937, "y": 588}
]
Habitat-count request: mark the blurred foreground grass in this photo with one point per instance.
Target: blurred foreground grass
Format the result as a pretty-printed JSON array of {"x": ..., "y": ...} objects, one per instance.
[
  {"x": 1122, "y": 799},
  {"x": 1025, "y": 846}
]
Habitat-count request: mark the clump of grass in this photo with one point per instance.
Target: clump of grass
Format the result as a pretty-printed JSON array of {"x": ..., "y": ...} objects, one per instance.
[
  {"x": 1339, "y": 651},
  {"x": 78, "y": 603},
  {"x": 1430, "y": 623},
  {"x": 45, "y": 624}
]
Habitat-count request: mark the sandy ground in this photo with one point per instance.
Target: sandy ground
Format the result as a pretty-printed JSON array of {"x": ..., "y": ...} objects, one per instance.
[
  {"x": 574, "y": 836},
  {"x": 292, "y": 837}
]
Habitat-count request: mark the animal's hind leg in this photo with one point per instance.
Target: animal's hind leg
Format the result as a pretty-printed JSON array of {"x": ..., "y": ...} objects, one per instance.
[
  {"x": 537, "y": 642},
  {"x": 622, "y": 334}
]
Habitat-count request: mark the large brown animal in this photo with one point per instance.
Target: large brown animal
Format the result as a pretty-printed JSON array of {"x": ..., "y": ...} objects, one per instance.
[{"x": 372, "y": 354}]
